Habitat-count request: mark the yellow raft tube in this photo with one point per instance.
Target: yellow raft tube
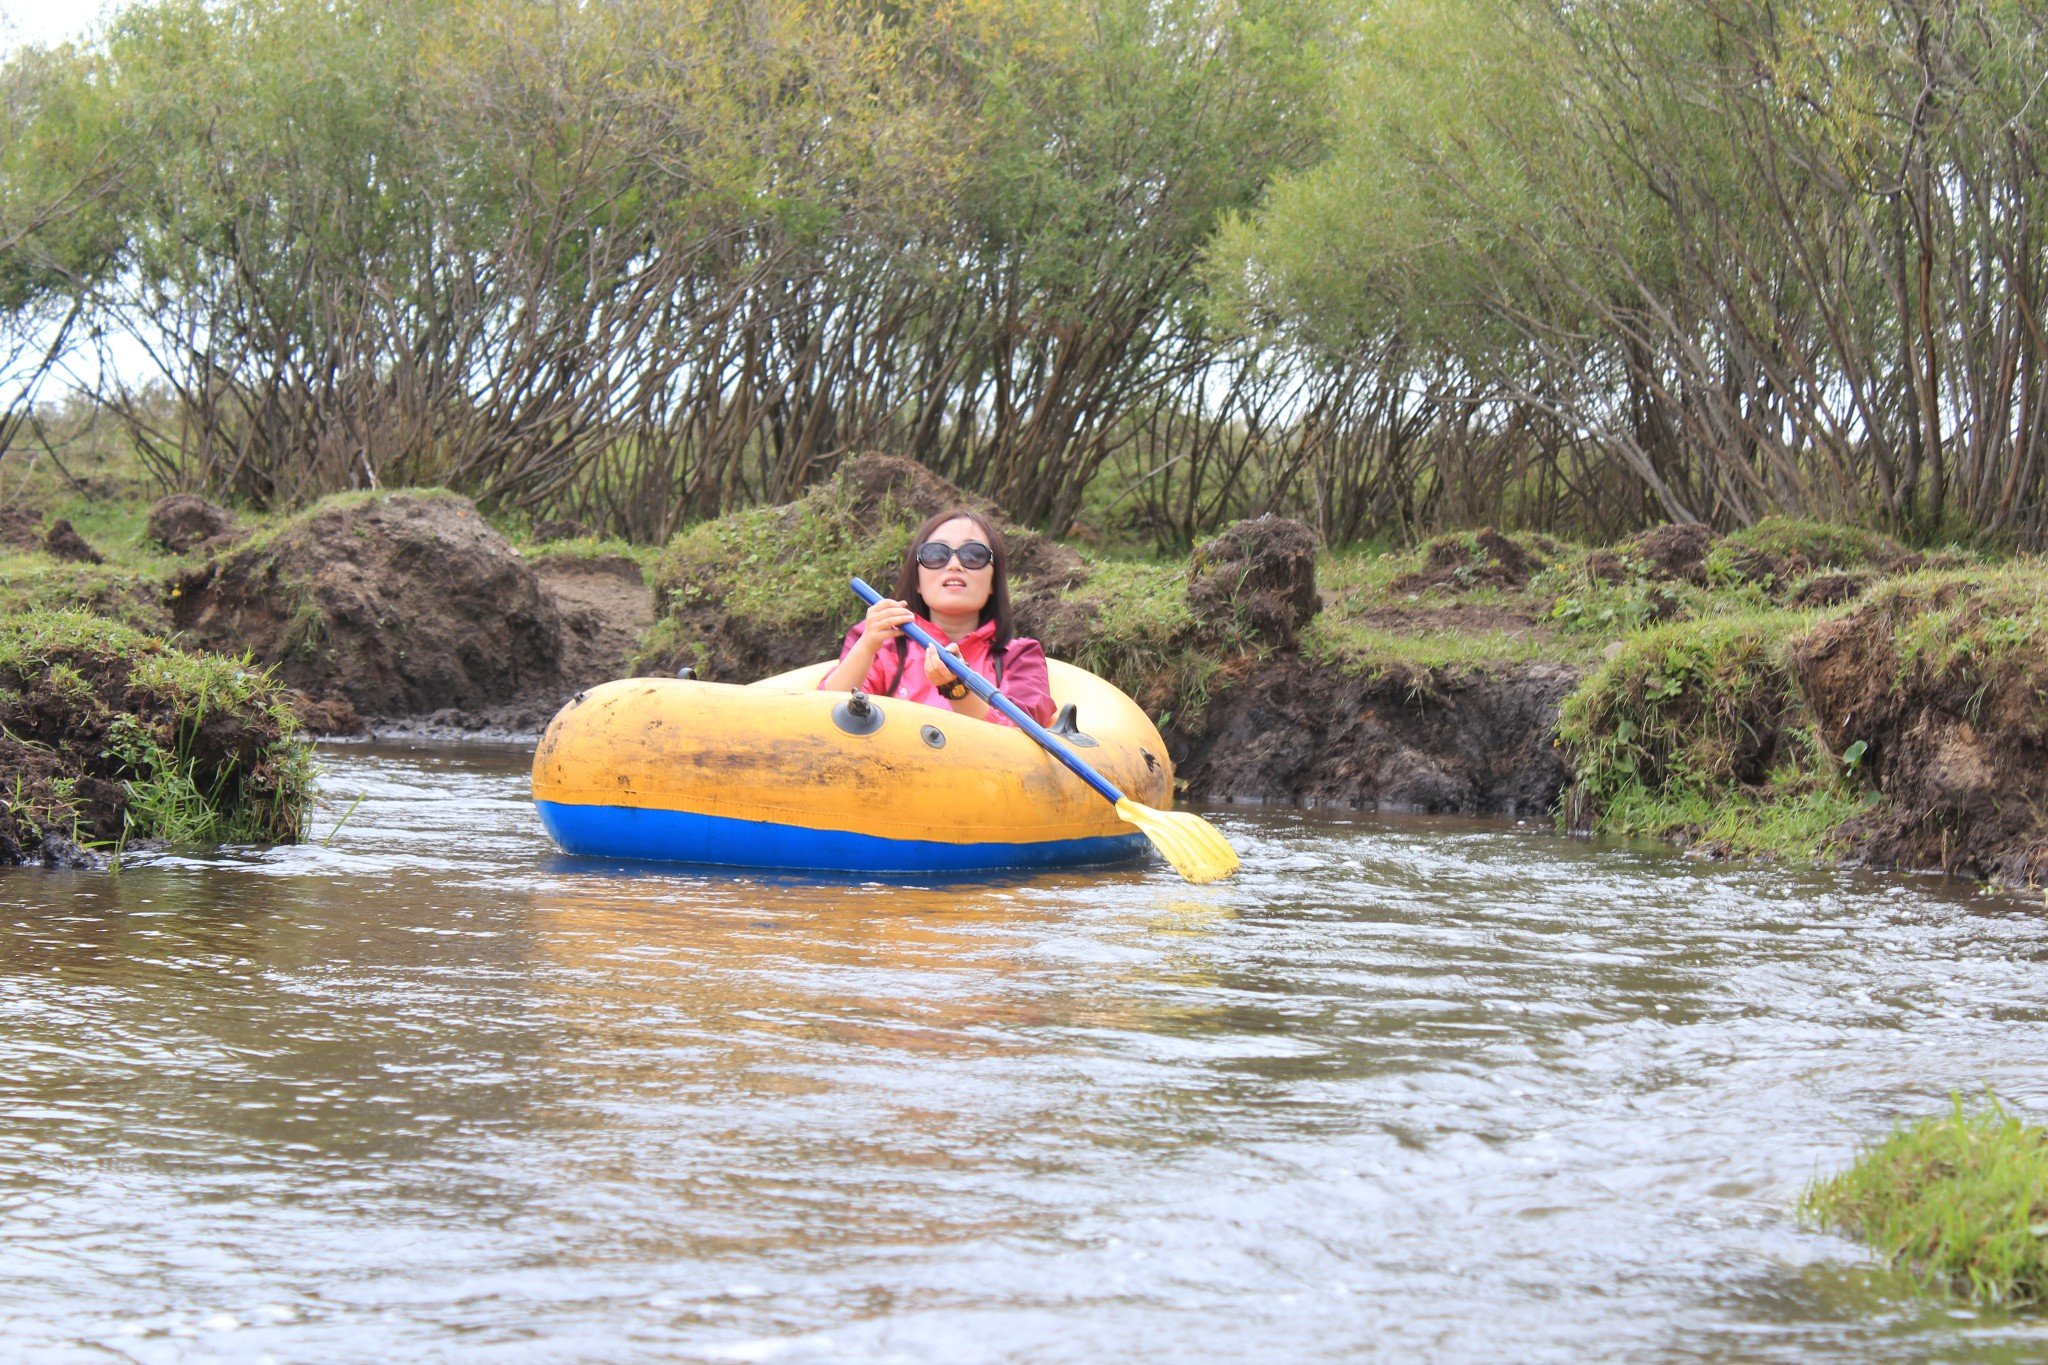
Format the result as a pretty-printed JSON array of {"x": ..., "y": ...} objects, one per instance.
[{"x": 778, "y": 774}]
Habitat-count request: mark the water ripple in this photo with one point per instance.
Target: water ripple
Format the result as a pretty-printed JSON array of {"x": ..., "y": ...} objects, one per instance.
[{"x": 1431, "y": 1089}]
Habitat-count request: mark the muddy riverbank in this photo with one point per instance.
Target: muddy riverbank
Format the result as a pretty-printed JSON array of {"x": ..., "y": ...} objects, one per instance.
[{"x": 1793, "y": 690}]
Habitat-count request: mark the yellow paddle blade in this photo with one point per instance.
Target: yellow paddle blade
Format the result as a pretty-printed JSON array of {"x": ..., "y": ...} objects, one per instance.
[{"x": 1196, "y": 848}]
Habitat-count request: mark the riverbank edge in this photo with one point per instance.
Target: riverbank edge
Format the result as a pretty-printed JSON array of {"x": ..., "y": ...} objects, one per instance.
[
  {"x": 1678, "y": 685},
  {"x": 112, "y": 738}
]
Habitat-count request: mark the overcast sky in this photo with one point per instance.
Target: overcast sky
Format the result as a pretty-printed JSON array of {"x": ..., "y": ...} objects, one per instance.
[{"x": 44, "y": 21}]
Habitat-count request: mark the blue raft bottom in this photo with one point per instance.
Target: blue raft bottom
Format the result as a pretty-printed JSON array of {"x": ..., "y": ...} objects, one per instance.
[{"x": 671, "y": 836}]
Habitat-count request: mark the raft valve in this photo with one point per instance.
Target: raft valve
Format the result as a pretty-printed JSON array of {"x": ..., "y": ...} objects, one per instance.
[{"x": 857, "y": 715}]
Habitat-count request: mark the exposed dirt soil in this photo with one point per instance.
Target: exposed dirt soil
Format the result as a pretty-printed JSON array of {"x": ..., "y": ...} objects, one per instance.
[
  {"x": 1832, "y": 589},
  {"x": 64, "y": 543},
  {"x": 21, "y": 528},
  {"x": 328, "y": 717},
  {"x": 37, "y": 813},
  {"x": 1295, "y": 733},
  {"x": 1675, "y": 551},
  {"x": 604, "y": 604},
  {"x": 1472, "y": 618},
  {"x": 1958, "y": 750},
  {"x": 561, "y": 528},
  {"x": 400, "y": 604}
]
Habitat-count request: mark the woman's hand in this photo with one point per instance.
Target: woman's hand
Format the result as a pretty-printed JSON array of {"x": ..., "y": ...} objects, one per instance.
[
  {"x": 939, "y": 675},
  {"x": 885, "y": 621},
  {"x": 935, "y": 668}
]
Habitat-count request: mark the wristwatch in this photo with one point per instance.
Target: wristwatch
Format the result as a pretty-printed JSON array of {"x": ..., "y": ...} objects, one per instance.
[{"x": 952, "y": 689}]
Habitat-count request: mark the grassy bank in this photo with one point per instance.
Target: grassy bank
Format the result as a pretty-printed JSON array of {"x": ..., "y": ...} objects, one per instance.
[
  {"x": 1793, "y": 690},
  {"x": 110, "y": 735},
  {"x": 1960, "y": 1200},
  {"x": 1698, "y": 716},
  {"x": 1698, "y": 730}
]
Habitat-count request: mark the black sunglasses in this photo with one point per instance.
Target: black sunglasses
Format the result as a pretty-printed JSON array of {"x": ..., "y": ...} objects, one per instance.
[{"x": 935, "y": 554}]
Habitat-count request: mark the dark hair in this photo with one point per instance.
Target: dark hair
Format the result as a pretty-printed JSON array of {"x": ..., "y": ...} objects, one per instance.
[{"x": 997, "y": 608}]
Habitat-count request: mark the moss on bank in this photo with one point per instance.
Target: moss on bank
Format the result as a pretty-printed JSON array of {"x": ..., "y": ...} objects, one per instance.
[
  {"x": 1691, "y": 719},
  {"x": 109, "y": 734},
  {"x": 762, "y": 588},
  {"x": 1960, "y": 1200},
  {"x": 1779, "y": 551},
  {"x": 1132, "y": 623},
  {"x": 1972, "y": 630}
]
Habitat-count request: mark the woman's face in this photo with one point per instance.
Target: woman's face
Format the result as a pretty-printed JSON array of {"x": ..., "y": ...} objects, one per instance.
[{"x": 953, "y": 590}]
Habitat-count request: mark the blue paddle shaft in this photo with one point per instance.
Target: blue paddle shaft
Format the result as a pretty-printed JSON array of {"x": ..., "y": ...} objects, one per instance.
[{"x": 986, "y": 690}]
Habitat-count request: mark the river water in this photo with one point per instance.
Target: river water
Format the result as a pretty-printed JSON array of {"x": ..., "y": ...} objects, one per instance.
[{"x": 1403, "y": 1089}]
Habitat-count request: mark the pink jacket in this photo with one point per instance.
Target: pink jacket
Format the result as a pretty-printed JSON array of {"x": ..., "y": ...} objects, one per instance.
[{"x": 1023, "y": 678}]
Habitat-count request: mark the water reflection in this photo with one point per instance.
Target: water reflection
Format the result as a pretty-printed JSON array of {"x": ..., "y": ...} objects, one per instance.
[{"x": 1438, "y": 1089}]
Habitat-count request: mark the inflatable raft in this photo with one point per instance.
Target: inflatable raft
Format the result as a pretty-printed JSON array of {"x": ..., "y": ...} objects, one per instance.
[{"x": 778, "y": 774}]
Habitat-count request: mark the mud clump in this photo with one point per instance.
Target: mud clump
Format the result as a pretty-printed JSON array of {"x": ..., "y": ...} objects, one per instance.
[
  {"x": 559, "y": 528},
  {"x": 400, "y": 603},
  {"x": 1939, "y": 698},
  {"x": 64, "y": 543},
  {"x": 1463, "y": 561},
  {"x": 327, "y": 717},
  {"x": 108, "y": 734},
  {"x": 1831, "y": 589},
  {"x": 21, "y": 528},
  {"x": 184, "y": 522},
  {"x": 1797, "y": 558},
  {"x": 1676, "y": 553},
  {"x": 1260, "y": 574},
  {"x": 1298, "y": 734}
]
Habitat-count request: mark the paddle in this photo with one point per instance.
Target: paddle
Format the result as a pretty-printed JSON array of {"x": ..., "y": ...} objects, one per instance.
[{"x": 1195, "y": 848}]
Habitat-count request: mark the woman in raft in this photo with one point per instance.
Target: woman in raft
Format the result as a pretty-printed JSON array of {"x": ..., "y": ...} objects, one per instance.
[{"x": 955, "y": 582}]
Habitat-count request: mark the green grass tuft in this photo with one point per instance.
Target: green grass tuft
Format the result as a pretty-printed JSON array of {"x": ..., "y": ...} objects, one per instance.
[
  {"x": 592, "y": 547},
  {"x": 1371, "y": 652},
  {"x": 1821, "y": 544},
  {"x": 1693, "y": 704},
  {"x": 1972, "y": 621},
  {"x": 126, "y": 594},
  {"x": 1961, "y": 1200}
]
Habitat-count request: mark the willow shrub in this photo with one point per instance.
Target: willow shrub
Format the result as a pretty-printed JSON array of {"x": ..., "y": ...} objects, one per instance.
[{"x": 1960, "y": 1199}]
